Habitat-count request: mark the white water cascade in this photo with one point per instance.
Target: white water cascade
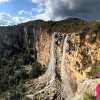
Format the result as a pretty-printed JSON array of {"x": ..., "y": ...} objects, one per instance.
[
  {"x": 52, "y": 64},
  {"x": 35, "y": 37},
  {"x": 67, "y": 90},
  {"x": 26, "y": 38}
]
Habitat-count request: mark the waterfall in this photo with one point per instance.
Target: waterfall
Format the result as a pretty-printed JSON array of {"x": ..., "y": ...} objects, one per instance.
[
  {"x": 52, "y": 63},
  {"x": 68, "y": 93},
  {"x": 26, "y": 38},
  {"x": 34, "y": 38}
]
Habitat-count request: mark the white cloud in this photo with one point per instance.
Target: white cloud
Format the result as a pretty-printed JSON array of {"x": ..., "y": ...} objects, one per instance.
[
  {"x": 4, "y": 15},
  {"x": 35, "y": 1},
  {"x": 25, "y": 13},
  {"x": 7, "y": 19},
  {"x": 40, "y": 10},
  {"x": 38, "y": 1},
  {"x": 19, "y": 19},
  {"x": 56, "y": 9},
  {"x": 3, "y": 1},
  {"x": 21, "y": 12},
  {"x": 42, "y": 16}
]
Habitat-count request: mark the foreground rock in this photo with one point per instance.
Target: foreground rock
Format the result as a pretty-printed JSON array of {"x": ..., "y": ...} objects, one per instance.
[
  {"x": 87, "y": 86},
  {"x": 43, "y": 91}
]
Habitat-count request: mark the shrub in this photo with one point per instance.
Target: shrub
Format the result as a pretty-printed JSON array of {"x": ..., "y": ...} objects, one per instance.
[
  {"x": 37, "y": 69},
  {"x": 95, "y": 72},
  {"x": 88, "y": 96}
]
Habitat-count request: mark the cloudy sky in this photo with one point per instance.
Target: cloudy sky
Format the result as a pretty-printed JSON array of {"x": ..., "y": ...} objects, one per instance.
[{"x": 17, "y": 11}]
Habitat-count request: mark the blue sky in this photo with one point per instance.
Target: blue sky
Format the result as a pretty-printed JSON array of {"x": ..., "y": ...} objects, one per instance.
[
  {"x": 14, "y": 6},
  {"x": 18, "y": 11}
]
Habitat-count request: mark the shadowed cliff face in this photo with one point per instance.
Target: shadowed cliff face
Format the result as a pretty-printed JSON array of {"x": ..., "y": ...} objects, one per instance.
[{"x": 11, "y": 40}]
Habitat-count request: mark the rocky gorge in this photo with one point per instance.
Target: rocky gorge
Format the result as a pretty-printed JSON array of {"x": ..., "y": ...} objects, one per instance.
[{"x": 49, "y": 60}]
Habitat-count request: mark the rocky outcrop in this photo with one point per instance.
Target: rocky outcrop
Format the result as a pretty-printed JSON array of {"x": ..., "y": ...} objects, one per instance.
[{"x": 87, "y": 86}]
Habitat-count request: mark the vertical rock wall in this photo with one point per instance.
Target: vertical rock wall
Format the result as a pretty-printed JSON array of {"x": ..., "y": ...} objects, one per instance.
[
  {"x": 43, "y": 44},
  {"x": 80, "y": 56}
]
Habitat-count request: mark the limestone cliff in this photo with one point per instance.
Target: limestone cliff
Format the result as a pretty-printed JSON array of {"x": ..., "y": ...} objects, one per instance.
[
  {"x": 84, "y": 46},
  {"x": 71, "y": 48},
  {"x": 83, "y": 52}
]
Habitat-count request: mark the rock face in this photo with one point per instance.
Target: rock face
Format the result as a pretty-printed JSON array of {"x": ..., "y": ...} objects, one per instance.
[
  {"x": 11, "y": 40},
  {"x": 43, "y": 44},
  {"x": 81, "y": 52},
  {"x": 80, "y": 57}
]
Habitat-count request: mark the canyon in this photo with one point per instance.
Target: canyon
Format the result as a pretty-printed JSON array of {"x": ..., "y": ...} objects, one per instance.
[{"x": 68, "y": 51}]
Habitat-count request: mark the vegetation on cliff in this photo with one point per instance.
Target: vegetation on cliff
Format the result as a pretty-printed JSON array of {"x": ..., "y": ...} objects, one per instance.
[{"x": 67, "y": 25}]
